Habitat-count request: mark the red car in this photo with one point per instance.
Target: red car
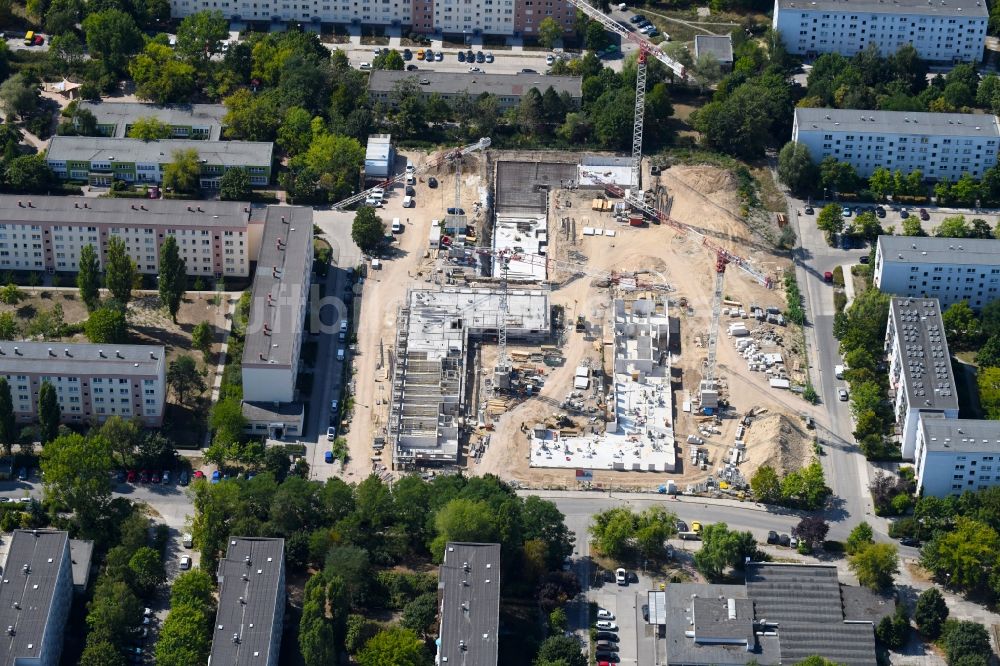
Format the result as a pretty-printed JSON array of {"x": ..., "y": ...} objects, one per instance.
[
  {"x": 39, "y": 40},
  {"x": 828, "y": 276},
  {"x": 130, "y": 476},
  {"x": 198, "y": 474}
]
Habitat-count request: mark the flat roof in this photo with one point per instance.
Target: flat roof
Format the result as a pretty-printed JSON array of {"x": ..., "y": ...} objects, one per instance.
[
  {"x": 469, "y": 586},
  {"x": 475, "y": 83},
  {"x": 960, "y": 435},
  {"x": 182, "y": 115},
  {"x": 925, "y": 360},
  {"x": 96, "y": 148},
  {"x": 528, "y": 238},
  {"x": 247, "y": 607},
  {"x": 969, "y": 8},
  {"x": 129, "y": 213},
  {"x": 26, "y": 595},
  {"x": 81, "y": 551},
  {"x": 897, "y": 122},
  {"x": 379, "y": 148},
  {"x": 278, "y": 289},
  {"x": 932, "y": 250},
  {"x": 69, "y": 358},
  {"x": 719, "y": 46}
]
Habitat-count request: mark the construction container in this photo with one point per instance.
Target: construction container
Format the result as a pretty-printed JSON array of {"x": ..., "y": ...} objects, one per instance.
[{"x": 635, "y": 220}]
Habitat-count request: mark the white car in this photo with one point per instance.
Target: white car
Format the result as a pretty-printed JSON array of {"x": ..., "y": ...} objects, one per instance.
[
  {"x": 550, "y": 59},
  {"x": 365, "y": 65},
  {"x": 438, "y": 57},
  {"x": 605, "y": 614},
  {"x": 475, "y": 69},
  {"x": 620, "y": 577},
  {"x": 331, "y": 434},
  {"x": 489, "y": 56},
  {"x": 604, "y": 625},
  {"x": 185, "y": 563}
]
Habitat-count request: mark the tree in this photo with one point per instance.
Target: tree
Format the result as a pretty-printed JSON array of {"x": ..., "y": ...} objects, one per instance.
[
  {"x": 613, "y": 531},
  {"x": 529, "y": 111},
  {"x": 183, "y": 637},
  {"x": 9, "y": 328},
  {"x": 811, "y": 530},
  {"x": 876, "y": 565},
  {"x": 988, "y": 381},
  {"x": 394, "y": 646},
  {"x": 146, "y": 567},
  {"x": 8, "y": 424},
  {"x": 316, "y": 641},
  {"x": 76, "y": 471},
  {"x": 965, "y": 554},
  {"x": 988, "y": 355},
  {"x": 202, "y": 337},
  {"x": 420, "y": 614},
  {"x": 830, "y": 221},
  {"x": 961, "y": 325},
  {"x": 106, "y": 325},
  {"x": 595, "y": 37},
  {"x": 295, "y": 133},
  {"x": 102, "y": 653},
  {"x": 562, "y": 650},
  {"x": 11, "y": 295},
  {"x": 183, "y": 171},
  {"x": 388, "y": 60},
  {"x": 463, "y": 520},
  {"x": 542, "y": 520},
  {"x": 766, "y": 485},
  {"x": 796, "y": 168},
  {"x": 119, "y": 271},
  {"x": 160, "y": 76},
  {"x": 962, "y": 640},
  {"x": 251, "y": 117},
  {"x": 881, "y": 182},
  {"x": 227, "y": 421},
  {"x": 235, "y": 185},
  {"x": 29, "y": 173},
  {"x": 549, "y": 32},
  {"x": 184, "y": 378},
  {"x": 368, "y": 231},
  {"x": 18, "y": 95},
  {"x": 48, "y": 413},
  {"x": 952, "y": 227},
  {"x": 150, "y": 129},
  {"x": 931, "y": 612},
  {"x": 199, "y": 35},
  {"x": 172, "y": 278},
  {"x": 193, "y": 588},
  {"x": 112, "y": 37},
  {"x": 860, "y": 538},
  {"x": 88, "y": 279},
  {"x": 894, "y": 630},
  {"x": 654, "y": 526},
  {"x": 722, "y": 549}
]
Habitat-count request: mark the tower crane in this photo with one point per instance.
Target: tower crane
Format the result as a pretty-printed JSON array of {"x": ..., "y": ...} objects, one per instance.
[
  {"x": 433, "y": 163},
  {"x": 646, "y": 49}
]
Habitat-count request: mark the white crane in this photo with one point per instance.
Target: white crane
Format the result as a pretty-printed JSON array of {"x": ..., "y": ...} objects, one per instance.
[{"x": 436, "y": 161}]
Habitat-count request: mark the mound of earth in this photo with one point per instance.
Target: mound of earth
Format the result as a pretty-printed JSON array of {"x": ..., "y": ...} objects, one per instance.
[{"x": 777, "y": 441}]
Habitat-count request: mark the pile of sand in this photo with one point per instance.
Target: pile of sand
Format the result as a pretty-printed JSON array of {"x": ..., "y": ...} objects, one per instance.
[{"x": 777, "y": 441}]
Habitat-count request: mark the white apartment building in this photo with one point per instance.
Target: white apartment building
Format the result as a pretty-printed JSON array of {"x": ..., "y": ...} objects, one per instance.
[
  {"x": 940, "y": 145},
  {"x": 920, "y": 377},
  {"x": 215, "y": 238},
  {"x": 946, "y": 31},
  {"x": 92, "y": 382},
  {"x": 948, "y": 269},
  {"x": 440, "y": 17},
  {"x": 956, "y": 455}
]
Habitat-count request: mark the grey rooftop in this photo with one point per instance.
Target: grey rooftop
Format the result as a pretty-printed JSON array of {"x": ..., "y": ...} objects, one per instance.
[
  {"x": 925, "y": 360},
  {"x": 960, "y": 435},
  {"x": 931, "y": 250},
  {"x": 177, "y": 115},
  {"x": 475, "y": 83},
  {"x": 128, "y": 213},
  {"x": 897, "y": 122},
  {"x": 951, "y": 8},
  {"x": 714, "y": 45},
  {"x": 97, "y": 149},
  {"x": 469, "y": 586},
  {"x": 68, "y": 358}
]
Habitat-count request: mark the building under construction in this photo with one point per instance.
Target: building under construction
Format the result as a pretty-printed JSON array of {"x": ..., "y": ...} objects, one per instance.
[{"x": 433, "y": 363}]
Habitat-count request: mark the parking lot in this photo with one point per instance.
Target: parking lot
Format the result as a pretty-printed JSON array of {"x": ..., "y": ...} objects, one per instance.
[
  {"x": 625, "y": 602},
  {"x": 894, "y": 214}
]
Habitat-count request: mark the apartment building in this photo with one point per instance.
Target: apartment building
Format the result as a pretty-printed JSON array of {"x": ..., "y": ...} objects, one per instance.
[
  {"x": 948, "y": 269},
  {"x": 35, "y": 597},
  {"x": 276, "y": 324},
  {"x": 507, "y": 88},
  {"x": 942, "y": 31},
  {"x": 215, "y": 238},
  {"x": 940, "y": 145},
  {"x": 920, "y": 377},
  {"x": 92, "y": 382},
  {"x": 188, "y": 121},
  {"x": 469, "y": 599},
  {"x": 251, "y": 611},
  {"x": 956, "y": 455},
  {"x": 455, "y": 18},
  {"x": 99, "y": 161}
]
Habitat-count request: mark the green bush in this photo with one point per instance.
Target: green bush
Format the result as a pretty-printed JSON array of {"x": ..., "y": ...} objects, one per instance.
[{"x": 838, "y": 276}]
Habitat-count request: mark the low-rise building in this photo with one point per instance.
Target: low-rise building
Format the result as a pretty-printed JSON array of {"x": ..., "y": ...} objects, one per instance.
[
  {"x": 276, "y": 326},
  {"x": 251, "y": 611},
  {"x": 92, "y": 381},
  {"x": 507, "y": 88},
  {"x": 956, "y": 455},
  {"x": 380, "y": 156},
  {"x": 99, "y": 161},
  {"x": 920, "y": 377},
  {"x": 718, "y": 47},
  {"x": 188, "y": 121},
  {"x": 948, "y": 31},
  {"x": 47, "y": 233},
  {"x": 469, "y": 601},
  {"x": 35, "y": 597},
  {"x": 948, "y": 269},
  {"x": 939, "y": 145}
]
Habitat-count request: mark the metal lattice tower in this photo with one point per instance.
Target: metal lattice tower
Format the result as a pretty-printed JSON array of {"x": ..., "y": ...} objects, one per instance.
[
  {"x": 640, "y": 114},
  {"x": 708, "y": 376},
  {"x": 503, "y": 367}
]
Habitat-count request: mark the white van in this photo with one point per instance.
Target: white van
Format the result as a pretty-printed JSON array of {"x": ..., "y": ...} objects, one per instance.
[
  {"x": 409, "y": 167},
  {"x": 411, "y": 179},
  {"x": 340, "y": 354},
  {"x": 188, "y": 541},
  {"x": 397, "y": 226},
  {"x": 408, "y": 202}
]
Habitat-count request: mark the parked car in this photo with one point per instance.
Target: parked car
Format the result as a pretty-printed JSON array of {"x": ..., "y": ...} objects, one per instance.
[
  {"x": 879, "y": 211},
  {"x": 144, "y": 476},
  {"x": 185, "y": 563},
  {"x": 645, "y": 612},
  {"x": 456, "y": 211},
  {"x": 550, "y": 59},
  {"x": 407, "y": 54},
  {"x": 681, "y": 526},
  {"x": 165, "y": 479},
  {"x": 784, "y": 540},
  {"x": 606, "y": 625},
  {"x": 412, "y": 68},
  {"x": 847, "y": 211},
  {"x": 772, "y": 537},
  {"x": 912, "y": 542},
  {"x": 695, "y": 526},
  {"x": 528, "y": 70},
  {"x": 421, "y": 54},
  {"x": 606, "y": 646},
  {"x": 432, "y": 182},
  {"x": 439, "y": 56},
  {"x": 827, "y": 276},
  {"x": 410, "y": 191},
  {"x": 864, "y": 258},
  {"x": 198, "y": 474},
  {"x": 605, "y": 614},
  {"x": 809, "y": 210},
  {"x": 216, "y": 476},
  {"x": 903, "y": 213},
  {"x": 793, "y": 542},
  {"x": 480, "y": 57},
  {"x": 842, "y": 394},
  {"x": 611, "y": 657},
  {"x": 474, "y": 69},
  {"x": 155, "y": 478},
  {"x": 924, "y": 215},
  {"x": 461, "y": 56},
  {"x": 489, "y": 56},
  {"x": 130, "y": 476},
  {"x": 365, "y": 65},
  {"x": 429, "y": 55},
  {"x": 22, "y": 474},
  {"x": 331, "y": 434},
  {"x": 184, "y": 478},
  {"x": 620, "y": 576},
  {"x": 607, "y": 636},
  {"x": 39, "y": 40}
]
